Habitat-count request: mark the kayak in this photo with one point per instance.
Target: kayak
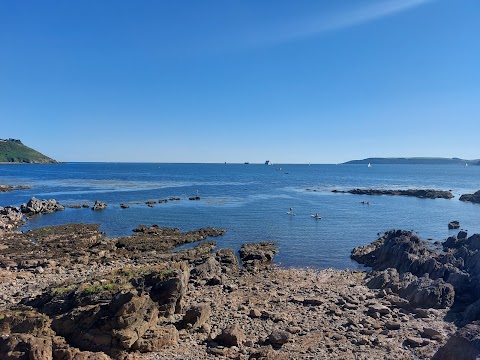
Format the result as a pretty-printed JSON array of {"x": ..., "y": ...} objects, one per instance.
[{"x": 316, "y": 217}]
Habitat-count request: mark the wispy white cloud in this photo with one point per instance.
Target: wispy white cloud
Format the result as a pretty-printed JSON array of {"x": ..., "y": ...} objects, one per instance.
[{"x": 319, "y": 24}]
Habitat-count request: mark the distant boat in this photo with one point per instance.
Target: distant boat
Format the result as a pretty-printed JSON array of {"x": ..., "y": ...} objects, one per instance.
[
  {"x": 466, "y": 164},
  {"x": 246, "y": 163},
  {"x": 267, "y": 162},
  {"x": 369, "y": 165},
  {"x": 279, "y": 168}
]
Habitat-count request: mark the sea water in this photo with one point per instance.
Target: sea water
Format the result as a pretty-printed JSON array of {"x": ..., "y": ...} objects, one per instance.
[{"x": 251, "y": 202}]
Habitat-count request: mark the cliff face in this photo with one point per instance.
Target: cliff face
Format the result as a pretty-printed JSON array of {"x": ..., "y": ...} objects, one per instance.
[{"x": 13, "y": 151}]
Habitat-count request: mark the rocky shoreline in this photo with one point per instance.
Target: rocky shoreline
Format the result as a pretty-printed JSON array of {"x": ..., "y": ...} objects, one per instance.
[{"x": 68, "y": 292}]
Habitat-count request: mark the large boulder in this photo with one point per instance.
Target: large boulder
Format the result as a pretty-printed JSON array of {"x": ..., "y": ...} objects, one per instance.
[
  {"x": 99, "y": 205},
  {"x": 420, "y": 292},
  {"x": 119, "y": 315},
  {"x": 36, "y": 206},
  {"x": 168, "y": 289},
  {"x": 231, "y": 336},
  {"x": 403, "y": 251},
  {"x": 257, "y": 256},
  {"x": 26, "y": 334},
  {"x": 197, "y": 315},
  {"x": 423, "y": 273},
  {"x": 453, "y": 225},
  {"x": 463, "y": 345}
]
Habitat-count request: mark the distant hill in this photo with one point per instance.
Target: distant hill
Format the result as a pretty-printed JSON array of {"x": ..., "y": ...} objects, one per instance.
[
  {"x": 416, "y": 160},
  {"x": 13, "y": 151}
]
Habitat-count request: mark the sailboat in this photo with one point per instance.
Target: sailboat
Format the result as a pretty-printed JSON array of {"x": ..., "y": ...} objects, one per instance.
[{"x": 369, "y": 165}]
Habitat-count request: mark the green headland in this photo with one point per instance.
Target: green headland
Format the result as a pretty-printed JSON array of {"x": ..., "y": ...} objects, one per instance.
[{"x": 13, "y": 151}]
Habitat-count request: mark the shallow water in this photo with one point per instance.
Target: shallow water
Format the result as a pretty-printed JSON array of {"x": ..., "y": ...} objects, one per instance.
[{"x": 251, "y": 202}]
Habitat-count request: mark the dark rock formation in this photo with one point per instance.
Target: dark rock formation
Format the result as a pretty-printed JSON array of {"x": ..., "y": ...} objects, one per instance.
[
  {"x": 36, "y": 206},
  {"x": 194, "y": 198},
  {"x": 420, "y": 292},
  {"x": 99, "y": 205},
  {"x": 279, "y": 337},
  {"x": 257, "y": 256},
  {"x": 420, "y": 273},
  {"x": 117, "y": 315},
  {"x": 124, "y": 206},
  {"x": 148, "y": 238},
  {"x": 463, "y": 345},
  {"x": 474, "y": 198},
  {"x": 424, "y": 194},
  {"x": 26, "y": 334},
  {"x": 453, "y": 225}
]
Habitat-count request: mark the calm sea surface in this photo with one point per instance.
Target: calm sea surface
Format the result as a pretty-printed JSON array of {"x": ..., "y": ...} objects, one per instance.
[{"x": 251, "y": 202}]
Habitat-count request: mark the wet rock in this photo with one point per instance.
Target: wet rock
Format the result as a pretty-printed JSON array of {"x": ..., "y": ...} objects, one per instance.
[
  {"x": 473, "y": 198},
  {"x": 194, "y": 198},
  {"x": 453, "y": 225},
  {"x": 148, "y": 238},
  {"x": 99, "y": 205},
  {"x": 124, "y": 206}
]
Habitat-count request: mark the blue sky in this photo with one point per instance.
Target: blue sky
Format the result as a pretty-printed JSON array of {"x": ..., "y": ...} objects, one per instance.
[{"x": 241, "y": 80}]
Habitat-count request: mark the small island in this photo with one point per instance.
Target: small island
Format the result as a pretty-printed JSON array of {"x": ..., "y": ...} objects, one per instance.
[
  {"x": 419, "y": 193},
  {"x": 13, "y": 151},
  {"x": 473, "y": 198}
]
